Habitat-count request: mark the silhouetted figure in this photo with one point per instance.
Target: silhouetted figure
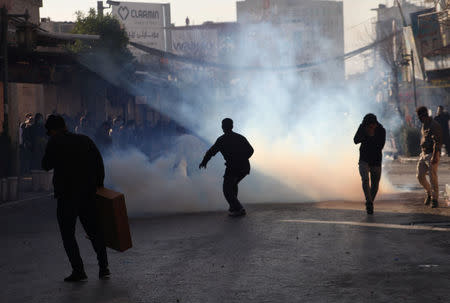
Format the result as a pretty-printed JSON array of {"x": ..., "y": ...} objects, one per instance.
[
  {"x": 372, "y": 136},
  {"x": 430, "y": 142},
  {"x": 38, "y": 141},
  {"x": 25, "y": 144},
  {"x": 103, "y": 138},
  {"x": 69, "y": 122},
  {"x": 442, "y": 117},
  {"x": 129, "y": 134},
  {"x": 78, "y": 171},
  {"x": 236, "y": 151},
  {"x": 85, "y": 127},
  {"x": 116, "y": 131}
]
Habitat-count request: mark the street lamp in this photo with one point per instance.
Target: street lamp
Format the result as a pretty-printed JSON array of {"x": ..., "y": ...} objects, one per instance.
[{"x": 100, "y": 6}]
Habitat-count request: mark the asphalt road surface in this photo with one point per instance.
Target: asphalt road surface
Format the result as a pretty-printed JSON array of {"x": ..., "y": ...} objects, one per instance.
[{"x": 322, "y": 252}]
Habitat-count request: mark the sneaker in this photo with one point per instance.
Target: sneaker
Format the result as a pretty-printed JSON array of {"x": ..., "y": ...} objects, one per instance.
[
  {"x": 238, "y": 213},
  {"x": 434, "y": 204},
  {"x": 104, "y": 273},
  {"x": 369, "y": 208},
  {"x": 427, "y": 200},
  {"x": 76, "y": 277}
]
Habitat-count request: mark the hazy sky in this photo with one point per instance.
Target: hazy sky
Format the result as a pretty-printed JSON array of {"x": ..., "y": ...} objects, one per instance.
[
  {"x": 355, "y": 11},
  {"x": 357, "y": 14}
]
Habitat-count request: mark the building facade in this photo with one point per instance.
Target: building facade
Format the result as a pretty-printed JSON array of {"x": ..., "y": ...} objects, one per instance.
[
  {"x": 57, "y": 27},
  {"x": 413, "y": 47},
  {"x": 314, "y": 30}
]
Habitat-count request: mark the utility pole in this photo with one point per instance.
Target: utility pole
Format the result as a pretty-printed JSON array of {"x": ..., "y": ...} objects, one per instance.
[
  {"x": 100, "y": 8},
  {"x": 414, "y": 78},
  {"x": 401, "y": 14},
  {"x": 4, "y": 64}
]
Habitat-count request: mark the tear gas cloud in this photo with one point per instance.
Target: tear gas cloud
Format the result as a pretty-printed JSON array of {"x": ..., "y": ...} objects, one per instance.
[{"x": 301, "y": 129}]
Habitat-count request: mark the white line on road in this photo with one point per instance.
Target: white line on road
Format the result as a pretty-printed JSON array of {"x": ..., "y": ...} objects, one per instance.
[{"x": 377, "y": 225}]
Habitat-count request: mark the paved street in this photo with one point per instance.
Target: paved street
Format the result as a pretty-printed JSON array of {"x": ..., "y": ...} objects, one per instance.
[{"x": 322, "y": 252}]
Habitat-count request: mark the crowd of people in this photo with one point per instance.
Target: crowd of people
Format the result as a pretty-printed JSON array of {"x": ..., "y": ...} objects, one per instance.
[
  {"x": 79, "y": 169},
  {"x": 152, "y": 138},
  {"x": 372, "y": 137}
]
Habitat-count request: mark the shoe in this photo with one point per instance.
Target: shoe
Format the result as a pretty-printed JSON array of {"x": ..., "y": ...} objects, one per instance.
[
  {"x": 434, "y": 203},
  {"x": 76, "y": 277},
  {"x": 427, "y": 200},
  {"x": 369, "y": 208},
  {"x": 104, "y": 273},
  {"x": 238, "y": 213}
]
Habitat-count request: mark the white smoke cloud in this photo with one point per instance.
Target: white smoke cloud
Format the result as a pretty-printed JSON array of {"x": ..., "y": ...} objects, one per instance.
[{"x": 301, "y": 129}]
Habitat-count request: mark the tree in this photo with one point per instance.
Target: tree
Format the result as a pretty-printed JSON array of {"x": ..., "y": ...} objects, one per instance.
[
  {"x": 113, "y": 37},
  {"x": 108, "y": 56}
]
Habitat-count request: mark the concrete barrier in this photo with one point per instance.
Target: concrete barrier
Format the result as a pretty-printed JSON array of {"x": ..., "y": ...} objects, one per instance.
[
  {"x": 25, "y": 184},
  {"x": 35, "y": 180},
  {"x": 4, "y": 190},
  {"x": 47, "y": 180},
  {"x": 13, "y": 188}
]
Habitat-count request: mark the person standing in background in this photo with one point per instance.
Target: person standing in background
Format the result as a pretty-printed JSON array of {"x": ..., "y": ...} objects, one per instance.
[
  {"x": 103, "y": 138},
  {"x": 372, "y": 136},
  {"x": 38, "y": 141},
  {"x": 25, "y": 144},
  {"x": 430, "y": 142},
  {"x": 442, "y": 117}
]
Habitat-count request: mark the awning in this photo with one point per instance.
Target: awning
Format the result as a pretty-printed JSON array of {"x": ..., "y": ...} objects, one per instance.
[{"x": 52, "y": 37}]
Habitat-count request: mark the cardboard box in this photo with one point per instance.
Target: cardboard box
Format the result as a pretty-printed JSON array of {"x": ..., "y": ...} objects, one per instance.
[{"x": 113, "y": 218}]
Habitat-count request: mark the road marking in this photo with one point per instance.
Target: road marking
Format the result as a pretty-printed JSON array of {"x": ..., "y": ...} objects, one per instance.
[
  {"x": 4, "y": 204},
  {"x": 377, "y": 225}
]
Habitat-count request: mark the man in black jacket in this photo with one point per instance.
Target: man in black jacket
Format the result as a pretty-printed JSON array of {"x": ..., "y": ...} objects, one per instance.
[
  {"x": 372, "y": 137},
  {"x": 442, "y": 117},
  {"x": 236, "y": 151},
  {"x": 78, "y": 171}
]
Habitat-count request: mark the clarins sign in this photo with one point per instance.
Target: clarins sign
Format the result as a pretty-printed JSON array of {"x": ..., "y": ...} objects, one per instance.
[
  {"x": 145, "y": 23},
  {"x": 124, "y": 13}
]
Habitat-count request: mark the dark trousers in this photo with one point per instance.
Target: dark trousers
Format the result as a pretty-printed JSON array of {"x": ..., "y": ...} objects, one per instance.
[
  {"x": 68, "y": 210},
  {"x": 446, "y": 141},
  {"x": 370, "y": 190},
  {"x": 230, "y": 191}
]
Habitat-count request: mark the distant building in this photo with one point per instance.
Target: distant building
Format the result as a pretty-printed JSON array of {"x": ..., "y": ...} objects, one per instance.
[
  {"x": 315, "y": 30},
  {"x": 420, "y": 29},
  {"x": 20, "y": 6},
  {"x": 208, "y": 42},
  {"x": 64, "y": 27}
]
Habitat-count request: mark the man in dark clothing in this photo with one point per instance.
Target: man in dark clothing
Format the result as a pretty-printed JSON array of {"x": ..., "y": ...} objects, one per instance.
[
  {"x": 78, "y": 171},
  {"x": 25, "y": 143},
  {"x": 236, "y": 150},
  {"x": 430, "y": 143},
  {"x": 38, "y": 141},
  {"x": 372, "y": 136},
  {"x": 442, "y": 117},
  {"x": 103, "y": 137}
]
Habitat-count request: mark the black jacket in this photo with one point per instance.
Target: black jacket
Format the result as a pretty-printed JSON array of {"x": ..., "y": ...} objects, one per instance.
[
  {"x": 236, "y": 151},
  {"x": 443, "y": 119},
  {"x": 371, "y": 147},
  {"x": 77, "y": 163}
]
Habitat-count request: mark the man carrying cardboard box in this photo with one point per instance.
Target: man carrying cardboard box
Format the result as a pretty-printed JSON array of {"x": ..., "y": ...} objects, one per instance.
[{"x": 78, "y": 172}]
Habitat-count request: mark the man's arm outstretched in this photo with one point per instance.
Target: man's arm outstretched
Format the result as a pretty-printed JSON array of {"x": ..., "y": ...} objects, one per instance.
[{"x": 209, "y": 154}]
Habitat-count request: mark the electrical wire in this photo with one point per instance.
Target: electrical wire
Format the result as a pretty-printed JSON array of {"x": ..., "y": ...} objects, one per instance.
[{"x": 203, "y": 63}]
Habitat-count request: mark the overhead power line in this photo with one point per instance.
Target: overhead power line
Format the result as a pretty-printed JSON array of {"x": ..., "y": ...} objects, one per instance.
[{"x": 204, "y": 63}]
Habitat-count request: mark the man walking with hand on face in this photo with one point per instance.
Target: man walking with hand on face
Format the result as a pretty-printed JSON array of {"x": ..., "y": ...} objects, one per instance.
[
  {"x": 372, "y": 136},
  {"x": 236, "y": 151},
  {"x": 430, "y": 142}
]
